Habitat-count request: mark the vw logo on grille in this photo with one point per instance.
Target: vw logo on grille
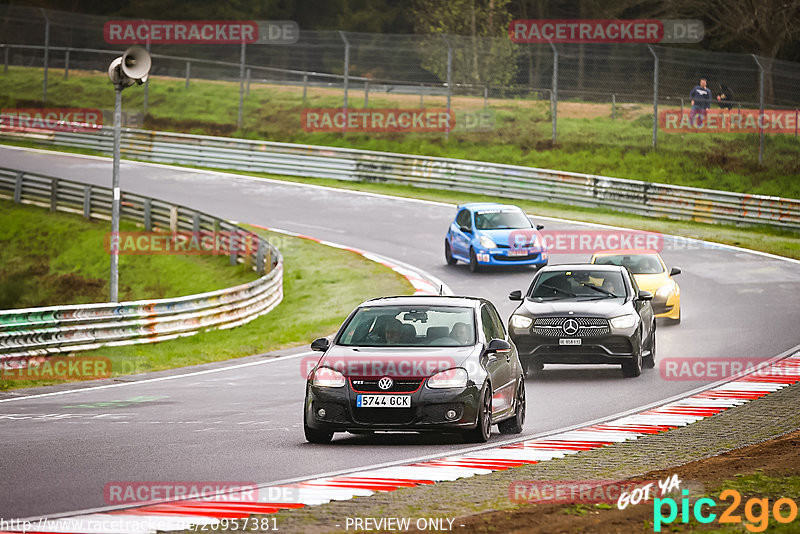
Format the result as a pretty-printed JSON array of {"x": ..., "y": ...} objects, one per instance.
[
  {"x": 570, "y": 327},
  {"x": 385, "y": 383}
]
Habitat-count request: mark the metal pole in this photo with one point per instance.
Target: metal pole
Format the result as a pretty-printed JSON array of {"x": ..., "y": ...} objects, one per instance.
[
  {"x": 346, "y": 79},
  {"x": 554, "y": 93},
  {"x": 247, "y": 78},
  {"x": 146, "y": 85},
  {"x": 46, "y": 52},
  {"x": 760, "y": 110},
  {"x": 485, "y": 96},
  {"x": 115, "y": 194},
  {"x": 66, "y": 65},
  {"x": 449, "y": 82},
  {"x": 613, "y": 106},
  {"x": 240, "y": 118},
  {"x": 305, "y": 85},
  {"x": 366, "y": 93},
  {"x": 188, "y": 72},
  {"x": 655, "y": 96}
]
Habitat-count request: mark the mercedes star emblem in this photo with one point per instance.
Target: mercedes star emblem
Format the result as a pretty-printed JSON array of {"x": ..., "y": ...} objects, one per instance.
[{"x": 570, "y": 327}]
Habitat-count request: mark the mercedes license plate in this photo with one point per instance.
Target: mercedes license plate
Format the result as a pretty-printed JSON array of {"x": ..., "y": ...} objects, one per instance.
[{"x": 569, "y": 341}]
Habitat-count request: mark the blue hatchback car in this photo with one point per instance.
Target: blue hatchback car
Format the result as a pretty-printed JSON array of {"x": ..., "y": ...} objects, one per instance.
[{"x": 485, "y": 233}]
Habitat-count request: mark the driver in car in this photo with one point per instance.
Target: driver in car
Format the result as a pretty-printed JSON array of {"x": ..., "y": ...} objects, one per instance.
[{"x": 460, "y": 333}]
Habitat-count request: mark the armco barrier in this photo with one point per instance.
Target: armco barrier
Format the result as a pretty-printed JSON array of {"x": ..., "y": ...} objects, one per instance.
[
  {"x": 644, "y": 198},
  {"x": 54, "y": 329}
]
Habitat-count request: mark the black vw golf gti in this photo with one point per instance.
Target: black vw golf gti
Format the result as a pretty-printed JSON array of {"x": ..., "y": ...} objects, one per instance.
[
  {"x": 584, "y": 314},
  {"x": 419, "y": 363}
]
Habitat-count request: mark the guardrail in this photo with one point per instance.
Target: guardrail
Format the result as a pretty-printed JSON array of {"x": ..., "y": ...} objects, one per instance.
[
  {"x": 54, "y": 329},
  {"x": 511, "y": 181}
]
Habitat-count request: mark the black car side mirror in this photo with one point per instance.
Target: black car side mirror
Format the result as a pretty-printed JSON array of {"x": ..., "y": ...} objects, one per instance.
[
  {"x": 321, "y": 344},
  {"x": 465, "y": 229},
  {"x": 674, "y": 271},
  {"x": 540, "y": 227},
  {"x": 498, "y": 345},
  {"x": 644, "y": 295},
  {"x": 515, "y": 295}
]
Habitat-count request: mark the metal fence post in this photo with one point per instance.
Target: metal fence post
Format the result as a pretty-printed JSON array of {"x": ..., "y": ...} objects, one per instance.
[
  {"x": 87, "y": 202},
  {"x": 247, "y": 82},
  {"x": 240, "y": 118},
  {"x": 234, "y": 241},
  {"x": 146, "y": 85},
  {"x": 188, "y": 72},
  {"x": 260, "y": 268},
  {"x": 148, "y": 215},
  {"x": 449, "y": 82},
  {"x": 485, "y": 96},
  {"x": 613, "y": 106},
  {"x": 18, "y": 188},
  {"x": 366, "y": 93},
  {"x": 554, "y": 92},
  {"x": 196, "y": 223},
  {"x": 655, "y": 96},
  {"x": 346, "y": 78},
  {"x": 760, "y": 110},
  {"x": 305, "y": 86},
  {"x": 53, "y": 194},
  {"x": 46, "y": 52},
  {"x": 66, "y": 64}
]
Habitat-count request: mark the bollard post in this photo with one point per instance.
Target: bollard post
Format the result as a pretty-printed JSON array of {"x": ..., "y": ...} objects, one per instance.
[{"x": 87, "y": 202}]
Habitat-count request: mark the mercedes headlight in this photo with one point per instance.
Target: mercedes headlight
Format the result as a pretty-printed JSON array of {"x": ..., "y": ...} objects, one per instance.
[
  {"x": 625, "y": 321},
  {"x": 520, "y": 321},
  {"x": 486, "y": 242}
]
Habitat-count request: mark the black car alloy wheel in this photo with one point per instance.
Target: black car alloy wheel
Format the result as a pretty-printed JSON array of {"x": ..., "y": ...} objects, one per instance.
[
  {"x": 482, "y": 431},
  {"x": 515, "y": 424}
]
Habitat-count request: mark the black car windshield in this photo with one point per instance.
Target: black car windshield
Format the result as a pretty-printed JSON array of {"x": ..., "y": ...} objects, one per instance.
[
  {"x": 410, "y": 326},
  {"x": 557, "y": 285},
  {"x": 637, "y": 263},
  {"x": 501, "y": 219}
]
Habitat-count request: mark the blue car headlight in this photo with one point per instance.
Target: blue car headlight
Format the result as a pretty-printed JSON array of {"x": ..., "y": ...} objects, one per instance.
[{"x": 487, "y": 242}]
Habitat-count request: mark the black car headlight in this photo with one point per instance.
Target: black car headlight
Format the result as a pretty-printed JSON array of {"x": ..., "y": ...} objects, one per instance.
[
  {"x": 520, "y": 321},
  {"x": 451, "y": 378},
  {"x": 328, "y": 378},
  {"x": 625, "y": 321}
]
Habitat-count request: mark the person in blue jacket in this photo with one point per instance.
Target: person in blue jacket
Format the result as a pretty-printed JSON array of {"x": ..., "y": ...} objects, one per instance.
[{"x": 701, "y": 101}]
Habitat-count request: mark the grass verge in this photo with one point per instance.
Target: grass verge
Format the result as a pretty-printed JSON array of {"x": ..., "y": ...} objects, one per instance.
[
  {"x": 50, "y": 259},
  {"x": 321, "y": 286}
]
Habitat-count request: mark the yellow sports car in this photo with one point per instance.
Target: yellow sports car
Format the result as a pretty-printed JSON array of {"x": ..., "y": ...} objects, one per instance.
[{"x": 651, "y": 275}]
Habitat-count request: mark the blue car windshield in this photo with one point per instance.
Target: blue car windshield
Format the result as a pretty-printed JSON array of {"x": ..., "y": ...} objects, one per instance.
[{"x": 501, "y": 219}]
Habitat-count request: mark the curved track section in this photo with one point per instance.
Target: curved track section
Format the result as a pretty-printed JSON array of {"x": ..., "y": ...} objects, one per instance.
[{"x": 243, "y": 423}]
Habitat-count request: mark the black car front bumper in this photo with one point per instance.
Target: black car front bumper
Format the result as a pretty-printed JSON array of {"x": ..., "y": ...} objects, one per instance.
[
  {"x": 427, "y": 411},
  {"x": 608, "y": 349}
]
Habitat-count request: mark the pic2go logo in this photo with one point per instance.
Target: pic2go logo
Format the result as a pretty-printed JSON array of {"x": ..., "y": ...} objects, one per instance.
[{"x": 756, "y": 511}]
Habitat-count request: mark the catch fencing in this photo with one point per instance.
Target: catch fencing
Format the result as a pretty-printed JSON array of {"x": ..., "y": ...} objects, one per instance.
[{"x": 44, "y": 331}]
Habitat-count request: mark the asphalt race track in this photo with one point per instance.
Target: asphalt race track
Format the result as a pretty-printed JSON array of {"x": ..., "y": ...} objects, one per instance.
[{"x": 243, "y": 423}]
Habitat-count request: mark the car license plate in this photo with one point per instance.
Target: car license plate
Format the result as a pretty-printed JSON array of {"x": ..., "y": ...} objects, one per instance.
[
  {"x": 518, "y": 252},
  {"x": 383, "y": 401},
  {"x": 569, "y": 341}
]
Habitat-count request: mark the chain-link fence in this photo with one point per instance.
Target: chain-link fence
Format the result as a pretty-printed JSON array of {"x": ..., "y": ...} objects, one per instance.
[{"x": 443, "y": 67}]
